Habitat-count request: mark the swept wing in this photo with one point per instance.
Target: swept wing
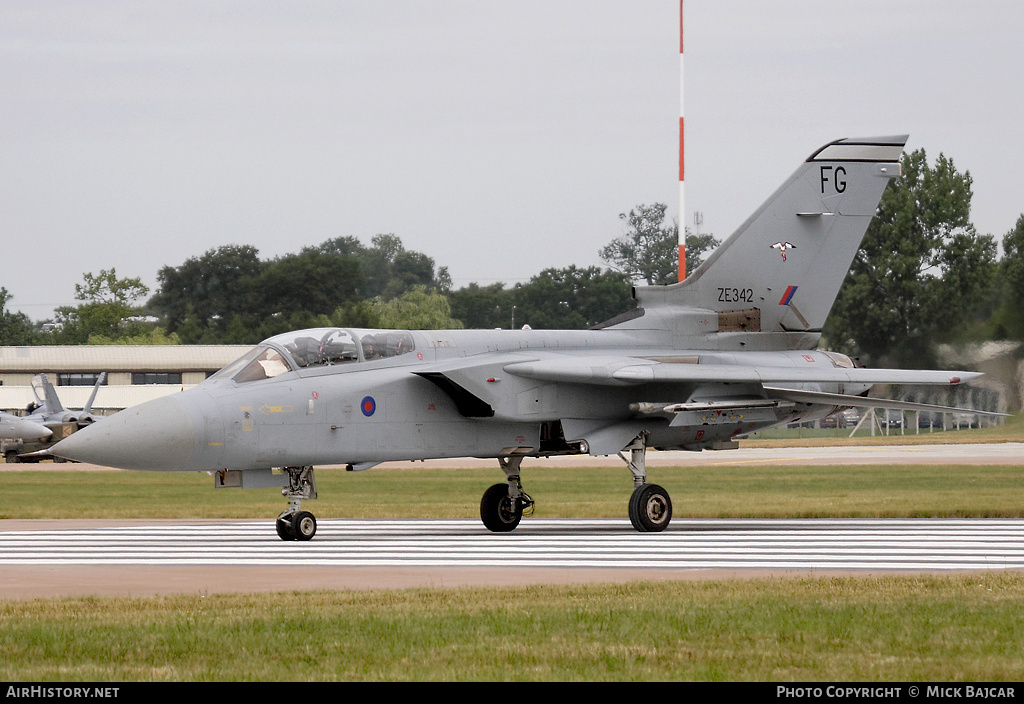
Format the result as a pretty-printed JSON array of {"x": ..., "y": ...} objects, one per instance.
[{"x": 626, "y": 371}]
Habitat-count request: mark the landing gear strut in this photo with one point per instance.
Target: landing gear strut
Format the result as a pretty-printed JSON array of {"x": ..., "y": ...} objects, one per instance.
[
  {"x": 294, "y": 523},
  {"x": 503, "y": 505},
  {"x": 650, "y": 507}
]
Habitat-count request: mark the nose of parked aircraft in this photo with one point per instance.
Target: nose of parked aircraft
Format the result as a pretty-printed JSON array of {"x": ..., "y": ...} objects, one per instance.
[
  {"x": 157, "y": 435},
  {"x": 30, "y": 430}
]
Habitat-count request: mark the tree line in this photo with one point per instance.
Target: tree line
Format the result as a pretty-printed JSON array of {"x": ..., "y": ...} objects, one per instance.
[
  {"x": 229, "y": 295},
  {"x": 923, "y": 275}
]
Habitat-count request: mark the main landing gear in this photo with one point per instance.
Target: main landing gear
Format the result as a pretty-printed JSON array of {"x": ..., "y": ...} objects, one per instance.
[
  {"x": 294, "y": 523},
  {"x": 650, "y": 507}
]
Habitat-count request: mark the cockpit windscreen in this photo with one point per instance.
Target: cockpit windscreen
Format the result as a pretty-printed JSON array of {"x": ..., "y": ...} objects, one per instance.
[{"x": 316, "y": 348}]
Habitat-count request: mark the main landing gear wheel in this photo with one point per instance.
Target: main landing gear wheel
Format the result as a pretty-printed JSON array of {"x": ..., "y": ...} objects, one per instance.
[
  {"x": 499, "y": 511},
  {"x": 650, "y": 508}
]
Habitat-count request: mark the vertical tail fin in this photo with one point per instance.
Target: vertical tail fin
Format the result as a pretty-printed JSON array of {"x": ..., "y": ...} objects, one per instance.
[
  {"x": 50, "y": 401},
  {"x": 781, "y": 270},
  {"x": 92, "y": 397}
]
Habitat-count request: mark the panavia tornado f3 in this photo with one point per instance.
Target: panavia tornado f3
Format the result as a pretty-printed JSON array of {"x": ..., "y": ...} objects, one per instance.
[{"x": 729, "y": 350}]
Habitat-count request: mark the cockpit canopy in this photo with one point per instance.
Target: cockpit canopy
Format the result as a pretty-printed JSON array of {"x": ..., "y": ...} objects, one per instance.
[{"x": 319, "y": 347}]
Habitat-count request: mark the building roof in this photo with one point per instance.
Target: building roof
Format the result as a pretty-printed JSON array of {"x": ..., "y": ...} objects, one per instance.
[
  {"x": 15, "y": 398},
  {"x": 118, "y": 358}
]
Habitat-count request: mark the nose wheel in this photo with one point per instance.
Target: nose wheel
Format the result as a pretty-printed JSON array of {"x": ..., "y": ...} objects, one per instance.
[
  {"x": 503, "y": 505},
  {"x": 499, "y": 511},
  {"x": 294, "y": 523},
  {"x": 296, "y": 526}
]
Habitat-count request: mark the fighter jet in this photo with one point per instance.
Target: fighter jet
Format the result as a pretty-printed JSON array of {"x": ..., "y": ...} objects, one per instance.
[
  {"x": 48, "y": 409},
  {"x": 729, "y": 350},
  {"x": 15, "y": 428}
]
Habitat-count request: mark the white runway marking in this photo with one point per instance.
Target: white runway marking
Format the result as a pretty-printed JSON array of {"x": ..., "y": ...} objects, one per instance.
[{"x": 849, "y": 544}]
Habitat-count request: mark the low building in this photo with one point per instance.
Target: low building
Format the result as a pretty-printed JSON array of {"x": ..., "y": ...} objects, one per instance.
[{"x": 135, "y": 373}]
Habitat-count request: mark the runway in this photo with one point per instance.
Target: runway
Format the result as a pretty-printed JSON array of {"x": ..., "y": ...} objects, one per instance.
[
  {"x": 95, "y": 557},
  {"x": 248, "y": 556}
]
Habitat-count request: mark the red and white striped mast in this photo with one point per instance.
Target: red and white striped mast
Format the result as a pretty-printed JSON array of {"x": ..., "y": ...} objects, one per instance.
[{"x": 682, "y": 199}]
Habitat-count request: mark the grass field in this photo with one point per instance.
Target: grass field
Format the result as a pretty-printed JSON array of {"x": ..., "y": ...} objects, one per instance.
[
  {"x": 930, "y": 629},
  {"x": 1007, "y": 430},
  {"x": 731, "y": 491},
  {"x": 946, "y": 628}
]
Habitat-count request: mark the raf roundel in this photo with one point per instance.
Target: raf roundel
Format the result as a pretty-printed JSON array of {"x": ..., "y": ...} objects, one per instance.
[{"x": 368, "y": 406}]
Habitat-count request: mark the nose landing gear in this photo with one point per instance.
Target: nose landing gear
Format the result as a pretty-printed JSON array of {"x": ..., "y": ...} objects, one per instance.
[
  {"x": 294, "y": 523},
  {"x": 503, "y": 505}
]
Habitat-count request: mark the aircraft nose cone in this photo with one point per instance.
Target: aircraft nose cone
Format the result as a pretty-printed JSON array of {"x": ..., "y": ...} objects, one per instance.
[
  {"x": 157, "y": 435},
  {"x": 30, "y": 430},
  {"x": 13, "y": 428}
]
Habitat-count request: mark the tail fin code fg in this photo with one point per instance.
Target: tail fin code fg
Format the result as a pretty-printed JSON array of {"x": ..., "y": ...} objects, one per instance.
[{"x": 780, "y": 272}]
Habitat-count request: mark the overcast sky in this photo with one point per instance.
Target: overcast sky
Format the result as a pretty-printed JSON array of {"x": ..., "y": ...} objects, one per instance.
[{"x": 498, "y": 138}]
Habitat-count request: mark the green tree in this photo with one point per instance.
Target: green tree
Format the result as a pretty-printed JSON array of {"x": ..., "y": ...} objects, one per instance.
[
  {"x": 356, "y": 314},
  {"x": 199, "y": 298},
  {"x": 155, "y": 336},
  {"x": 107, "y": 311},
  {"x": 347, "y": 246},
  {"x": 482, "y": 307},
  {"x": 1009, "y": 318},
  {"x": 649, "y": 250},
  {"x": 307, "y": 282},
  {"x": 920, "y": 272},
  {"x": 236, "y": 333},
  {"x": 696, "y": 247},
  {"x": 571, "y": 298},
  {"x": 15, "y": 328},
  {"x": 417, "y": 309},
  {"x": 229, "y": 295},
  {"x": 389, "y": 269}
]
